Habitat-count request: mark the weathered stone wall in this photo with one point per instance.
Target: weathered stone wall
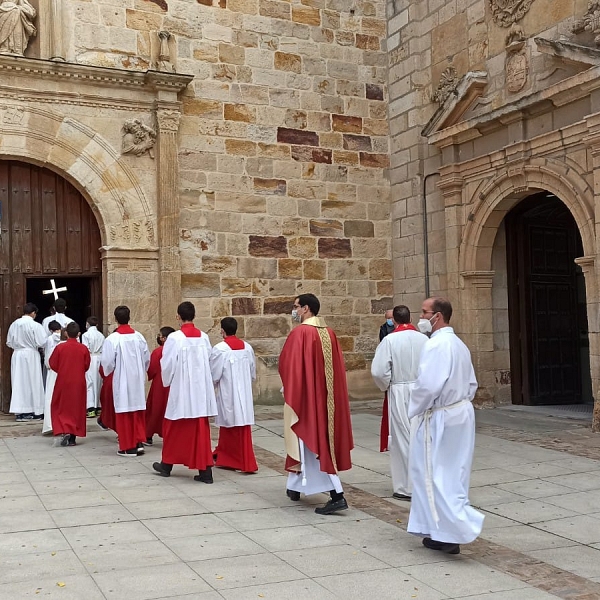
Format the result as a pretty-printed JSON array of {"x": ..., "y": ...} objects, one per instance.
[{"x": 283, "y": 157}]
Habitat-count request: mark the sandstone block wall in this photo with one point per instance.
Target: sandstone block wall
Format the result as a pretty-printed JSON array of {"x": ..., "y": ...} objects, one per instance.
[{"x": 283, "y": 157}]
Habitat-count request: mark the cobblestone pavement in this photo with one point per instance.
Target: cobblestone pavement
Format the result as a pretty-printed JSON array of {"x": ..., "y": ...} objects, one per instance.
[{"x": 82, "y": 523}]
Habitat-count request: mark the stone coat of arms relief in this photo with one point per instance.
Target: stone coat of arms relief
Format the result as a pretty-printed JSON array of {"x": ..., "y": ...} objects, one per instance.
[{"x": 507, "y": 12}]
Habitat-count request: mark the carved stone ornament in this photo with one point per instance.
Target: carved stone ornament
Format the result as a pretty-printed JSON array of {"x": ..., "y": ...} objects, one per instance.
[
  {"x": 132, "y": 231},
  {"x": 507, "y": 12},
  {"x": 516, "y": 65},
  {"x": 164, "y": 53},
  {"x": 138, "y": 138},
  {"x": 590, "y": 21},
  {"x": 168, "y": 119},
  {"x": 16, "y": 26},
  {"x": 447, "y": 84}
]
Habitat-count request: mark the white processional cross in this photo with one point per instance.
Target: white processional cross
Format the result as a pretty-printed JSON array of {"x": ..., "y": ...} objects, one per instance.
[{"x": 54, "y": 290}]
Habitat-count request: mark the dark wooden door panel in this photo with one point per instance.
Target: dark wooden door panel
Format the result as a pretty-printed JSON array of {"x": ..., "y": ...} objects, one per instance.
[{"x": 47, "y": 230}]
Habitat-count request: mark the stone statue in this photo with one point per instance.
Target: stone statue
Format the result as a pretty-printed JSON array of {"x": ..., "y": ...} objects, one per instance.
[
  {"x": 16, "y": 26},
  {"x": 507, "y": 12},
  {"x": 590, "y": 21},
  {"x": 164, "y": 54},
  {"x": 138, "y": 138}
]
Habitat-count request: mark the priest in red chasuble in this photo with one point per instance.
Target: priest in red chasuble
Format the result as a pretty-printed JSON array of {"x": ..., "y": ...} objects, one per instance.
[
  {"x": 318, "y": 430},
  {"x": 70, "y": 361}
]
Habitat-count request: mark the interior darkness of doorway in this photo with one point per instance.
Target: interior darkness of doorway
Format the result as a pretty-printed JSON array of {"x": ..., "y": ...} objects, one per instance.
[{"x": 78, "y": 297}]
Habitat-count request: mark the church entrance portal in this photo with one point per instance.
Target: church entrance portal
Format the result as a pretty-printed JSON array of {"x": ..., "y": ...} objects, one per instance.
[
  {"x": 47, "y": 232},
  {"x": 549, "y": 348}
]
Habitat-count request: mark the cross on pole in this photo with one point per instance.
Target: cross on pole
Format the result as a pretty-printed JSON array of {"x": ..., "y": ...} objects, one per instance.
[{"x": 54, "y": 290}]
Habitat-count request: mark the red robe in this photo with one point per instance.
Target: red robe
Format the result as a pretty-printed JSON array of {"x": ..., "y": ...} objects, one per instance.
[
  {"x": 302, "y": 370},
  {"x": 234, "y": 449},
  {"x": 384, "y": 429},
  {"x": 187, "y": 441},
  {"x": 157, "y": 396},
  {"x": 107, "y": 403},
  {"x": 69, "y": 400}
]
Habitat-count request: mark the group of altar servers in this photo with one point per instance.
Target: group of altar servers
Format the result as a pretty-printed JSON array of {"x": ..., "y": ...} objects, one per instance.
[{"x": 105, "y": 377}]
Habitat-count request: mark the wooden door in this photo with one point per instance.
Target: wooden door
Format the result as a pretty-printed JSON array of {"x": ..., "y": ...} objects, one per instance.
[
  {"x": 545, "y": 320},
  {"x": 47, "y": 229}
]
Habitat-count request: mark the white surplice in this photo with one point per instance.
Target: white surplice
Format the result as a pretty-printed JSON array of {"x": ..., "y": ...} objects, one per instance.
[
  {"x": 93, "y": 340},
  {"x": 51, "y": 343},
  {"x": 443, "y": 442},
  {"x": 233, "y": 372},
  {"x": 128, "y": 356},
  {"x": 394, "y": 369},
  {"x": 185, "y": 368},
  {"x": 311, "y": 480},
  {"x": 25, "y": 336},
  {"x": 60, "y": 317}
]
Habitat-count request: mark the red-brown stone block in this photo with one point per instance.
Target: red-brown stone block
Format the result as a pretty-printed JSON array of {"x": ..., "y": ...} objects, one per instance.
[
  {"x": 335, "y": 248},
  {"x": 245, "y": 306},
  {"x": 278, "y": 306},
  {"x": 347, "y": 124},
  {"x": 268, "y": 246},
  {"x": 379, "y": 161},
  {"x": 275, "y": 187},
  {"x": 357, "y": 142},
  {"x": 297, "y": 137}
]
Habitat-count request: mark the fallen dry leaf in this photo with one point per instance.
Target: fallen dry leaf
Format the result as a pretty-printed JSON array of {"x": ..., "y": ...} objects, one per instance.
[{"x": 60, "y": 584}]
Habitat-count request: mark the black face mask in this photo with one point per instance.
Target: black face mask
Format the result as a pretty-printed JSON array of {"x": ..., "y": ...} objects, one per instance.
[{"x": 159, "y": 340}]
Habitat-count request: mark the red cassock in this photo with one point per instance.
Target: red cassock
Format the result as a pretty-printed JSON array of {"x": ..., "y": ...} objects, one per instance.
[
  {"x": 187, "y": 441},
  {"x": 107, "y": 403},
  {"x": 302, "y": 370},
  {"x": 69, "y": 400},
  {"x": 157, "y": 396}
]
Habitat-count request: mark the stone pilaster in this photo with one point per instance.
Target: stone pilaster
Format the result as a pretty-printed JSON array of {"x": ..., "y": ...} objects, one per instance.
[
  {"x": 167, "y": 117},
  {"x": 57, "y": 50}
]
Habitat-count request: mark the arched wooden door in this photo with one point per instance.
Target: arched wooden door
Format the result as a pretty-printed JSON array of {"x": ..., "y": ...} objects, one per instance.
[{"x": 47, "y": 231}]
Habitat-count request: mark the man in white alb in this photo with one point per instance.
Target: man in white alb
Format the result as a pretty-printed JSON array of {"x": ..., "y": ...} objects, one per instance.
[
  {"x": 444, "y": 436},
  {"x": 394, "y": 370},
  {"x": 59, "y": 306},
  {"x": 93, "y": 340},
  {"x": 25, "y": 337},
  {"x": 233, "y": 368}
]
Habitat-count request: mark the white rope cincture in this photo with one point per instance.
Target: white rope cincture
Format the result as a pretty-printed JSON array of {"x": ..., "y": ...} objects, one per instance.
[{"x": 428, "y": 455}]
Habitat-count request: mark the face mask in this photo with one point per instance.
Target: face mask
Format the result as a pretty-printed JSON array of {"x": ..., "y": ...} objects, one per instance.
[
  {"x": 295, "y": 315},
  {"x": 390, "y": 322},
  {"x": 424, "y": 326}
]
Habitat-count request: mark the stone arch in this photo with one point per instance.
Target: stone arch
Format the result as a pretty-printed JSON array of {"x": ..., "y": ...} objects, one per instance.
[
  {"x": 504, "y": 191},
  {"x": 87, "y": 160}
]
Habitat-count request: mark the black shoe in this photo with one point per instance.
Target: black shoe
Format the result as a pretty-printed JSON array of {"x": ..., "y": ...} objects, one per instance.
[
  {"x": 101, "y": 425},
  {"x": 65, "y": 440},
  {"x": 441, "y": 546},
  {"x": 148, "y": 442},
  {"x": 71, "y": 441},
  {"x": 38, "y": 417},
  {"x": 98, "y": 412},
  {"x": 140, "y": 449},
  {"x": 162, "y": 469},
  {"x": 332, "y": 506},
  {"x": 24, "y": 418},
  {"x": 292, "y": 495},
  {"x": 204, "y": 476},
  {"x": 401, "y": 496},
  {"x": 131, "y": 453}
]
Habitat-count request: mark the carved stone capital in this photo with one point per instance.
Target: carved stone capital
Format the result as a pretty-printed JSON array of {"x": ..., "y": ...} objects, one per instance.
[
  {"x": 507, "y": 12},
  {"x": 479, "y": 279},
  {"x": 168, "y": 119}
]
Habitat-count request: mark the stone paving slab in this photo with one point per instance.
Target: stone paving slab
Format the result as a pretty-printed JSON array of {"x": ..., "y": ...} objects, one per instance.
[{"x": 83, "y": 523}]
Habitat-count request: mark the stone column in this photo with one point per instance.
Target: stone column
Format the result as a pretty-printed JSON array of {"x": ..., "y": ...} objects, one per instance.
[
  {"x": 57, "y": 51},
  {"x": 478, "y": 328},
  {"x": 587, "y": 264},
  {"x": 168, "y": 116}
]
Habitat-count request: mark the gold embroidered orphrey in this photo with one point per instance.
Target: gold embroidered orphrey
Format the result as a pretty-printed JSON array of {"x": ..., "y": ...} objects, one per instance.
[{"x": 507, "y": 12}]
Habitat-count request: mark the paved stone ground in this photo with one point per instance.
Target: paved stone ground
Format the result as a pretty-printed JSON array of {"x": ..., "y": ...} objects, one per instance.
[{"x": 82, "y": 523}]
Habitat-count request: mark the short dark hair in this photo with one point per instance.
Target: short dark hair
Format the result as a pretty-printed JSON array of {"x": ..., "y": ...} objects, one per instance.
[
  {"x": 72, "y": 329},
  {"x": 93, "y": 321},
  {"x": 29, "y": 308},
  {"x": 60, "y": 304},
  {"x": 187, "y": 311},
  {"x": 229, "y": 325},
  {"x": 122, "y": 314},
  {"x": 166, "y": 331},
  {"x": 54, "y": 326},
  {"x": 311, "y": 301},
  {"x": 401, "y": 314},
  {"x": 444, "y": 307}
]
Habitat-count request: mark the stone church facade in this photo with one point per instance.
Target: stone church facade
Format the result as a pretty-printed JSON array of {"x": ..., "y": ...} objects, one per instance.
[
  {"x": 234, "y": 153},
  {"x": 494, "y": 119}
]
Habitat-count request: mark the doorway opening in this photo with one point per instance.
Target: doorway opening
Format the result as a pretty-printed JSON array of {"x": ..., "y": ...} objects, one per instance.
[{"x": 549, "y": 345}]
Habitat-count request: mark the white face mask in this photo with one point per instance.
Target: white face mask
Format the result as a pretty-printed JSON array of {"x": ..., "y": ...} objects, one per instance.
[
  {"x": 295, "y": 315},
  {"x": 424, "y": 326}
]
